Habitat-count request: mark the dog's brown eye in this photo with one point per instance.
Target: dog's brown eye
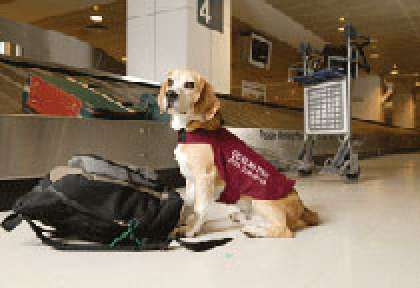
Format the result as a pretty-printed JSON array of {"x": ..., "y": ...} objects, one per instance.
[
  {"x": 170, "y": 82},
  {"x": 189, "y": 85}
]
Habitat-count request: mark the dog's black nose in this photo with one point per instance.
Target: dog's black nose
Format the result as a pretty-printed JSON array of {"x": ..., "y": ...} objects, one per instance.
[
  {"x": 172, "y": 94},
  {"x": 172, "y": 97}
]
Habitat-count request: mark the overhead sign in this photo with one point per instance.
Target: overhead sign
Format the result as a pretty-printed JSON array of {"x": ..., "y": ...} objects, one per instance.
[
  {"x": 210, "y": 14},
  {"x": 254, "y": 90}
]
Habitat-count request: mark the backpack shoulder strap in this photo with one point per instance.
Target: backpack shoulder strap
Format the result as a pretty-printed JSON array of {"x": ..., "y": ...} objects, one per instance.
[
  {"x": 11, "y": 222},
  {"x": 62, "y": 246},
  {"x": 146, "y": 245}
]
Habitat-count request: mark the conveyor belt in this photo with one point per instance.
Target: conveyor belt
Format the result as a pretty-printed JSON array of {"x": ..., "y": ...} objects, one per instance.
[{"x": 236, "y": 112}]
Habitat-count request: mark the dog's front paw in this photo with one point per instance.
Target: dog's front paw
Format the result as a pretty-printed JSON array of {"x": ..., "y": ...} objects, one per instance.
[
  {"x": 238, "y": 217},
  {"x": 185, "y": 232},
  {"x": 194, "y": 224},
  {"x": 251, "y": 231},
  {"x": 179, "y": 232},
  {"x": 191, "y": 234}
]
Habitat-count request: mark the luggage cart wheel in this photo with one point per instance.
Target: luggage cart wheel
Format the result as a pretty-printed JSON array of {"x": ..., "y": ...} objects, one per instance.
[
  {"x": 328, "y": 162},
  {"x": 306, "y": 169},
  {"x": 305, "y": 172},
  {"x": 352, "y": 177}
]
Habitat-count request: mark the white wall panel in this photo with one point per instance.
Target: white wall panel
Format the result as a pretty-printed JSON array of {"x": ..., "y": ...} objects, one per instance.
[{"x": 141, "y": 50}]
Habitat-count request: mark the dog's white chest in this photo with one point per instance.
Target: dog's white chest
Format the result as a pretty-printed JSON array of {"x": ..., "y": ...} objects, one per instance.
[
  {"x": 182, "y": 158},
  {"x": 179, "y": 122}
]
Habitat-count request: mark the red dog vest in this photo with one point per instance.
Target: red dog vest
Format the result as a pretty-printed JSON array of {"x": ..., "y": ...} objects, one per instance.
[{"x": 244, "y": 171}]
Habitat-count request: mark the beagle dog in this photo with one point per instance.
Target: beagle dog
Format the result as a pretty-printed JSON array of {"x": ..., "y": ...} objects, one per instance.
[{"x": 194, "y": 110}]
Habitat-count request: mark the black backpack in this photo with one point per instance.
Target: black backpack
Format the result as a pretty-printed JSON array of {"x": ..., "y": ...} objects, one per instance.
[{"x": 116, "y": 208}]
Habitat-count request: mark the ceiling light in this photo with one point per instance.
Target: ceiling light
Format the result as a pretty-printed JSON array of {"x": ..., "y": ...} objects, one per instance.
[
  {"x": 394, "y": 70},
  {"x": 97, "y": 18},
  {"x": 341, "y": 29},
  {"x": 341, "y": 19}
]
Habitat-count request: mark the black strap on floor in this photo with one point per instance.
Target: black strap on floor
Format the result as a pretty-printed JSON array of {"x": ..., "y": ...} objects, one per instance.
[
  {"x": 11, "y": 222},
  {"x": 60, "y": 245},
  {"x": 201, "y": 246}
]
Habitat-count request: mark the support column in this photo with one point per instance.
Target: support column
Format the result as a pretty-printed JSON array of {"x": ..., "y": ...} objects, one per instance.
[
  {"x": 165, "y": 34},
  {"x": 367, "y": 97},
  {"x": 417, "y": 107},
  {"x": 403, "y": 104}
]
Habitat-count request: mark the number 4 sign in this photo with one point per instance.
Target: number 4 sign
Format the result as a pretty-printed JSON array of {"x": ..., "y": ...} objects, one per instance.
[{"x": 210, "y": 14}]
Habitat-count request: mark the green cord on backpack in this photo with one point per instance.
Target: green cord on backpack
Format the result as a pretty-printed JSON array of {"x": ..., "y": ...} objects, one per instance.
[{"x": 130, "y": 233}]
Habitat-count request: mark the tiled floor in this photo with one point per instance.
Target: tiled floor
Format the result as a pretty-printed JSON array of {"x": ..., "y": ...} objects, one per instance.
[{"x": 370, "y": 237}]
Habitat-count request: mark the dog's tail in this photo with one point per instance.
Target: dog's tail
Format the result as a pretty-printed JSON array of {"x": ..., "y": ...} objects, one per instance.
[{"x": 311, "y": 218}]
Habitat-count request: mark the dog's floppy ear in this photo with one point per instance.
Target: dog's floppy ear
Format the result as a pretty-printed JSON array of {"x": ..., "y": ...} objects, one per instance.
[
  {"x": 162, "y": 96},
  {"x": 208, "y": 104}
]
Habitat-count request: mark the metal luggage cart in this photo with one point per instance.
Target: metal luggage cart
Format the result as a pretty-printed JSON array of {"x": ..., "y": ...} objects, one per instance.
[{"x": 327, "y": 109}]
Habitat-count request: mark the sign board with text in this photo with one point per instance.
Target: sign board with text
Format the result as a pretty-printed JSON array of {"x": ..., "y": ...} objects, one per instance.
[
  {"x": 254, "y": 90},
  {"x": 210, "y": 14}
]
